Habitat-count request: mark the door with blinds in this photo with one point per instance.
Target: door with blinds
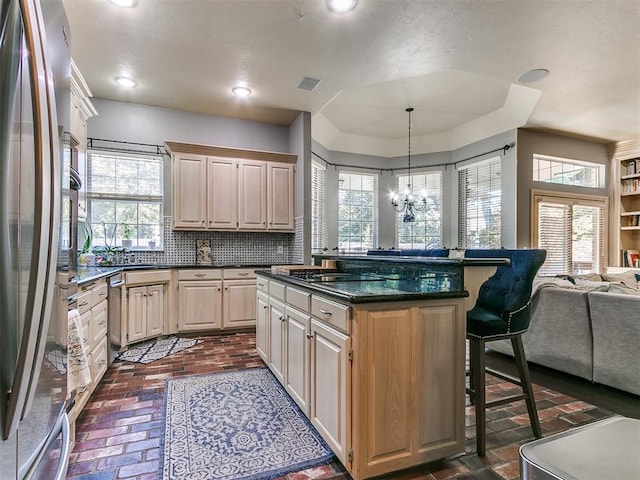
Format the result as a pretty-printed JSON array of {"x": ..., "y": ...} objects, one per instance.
[{"x": 572, "y": 231}]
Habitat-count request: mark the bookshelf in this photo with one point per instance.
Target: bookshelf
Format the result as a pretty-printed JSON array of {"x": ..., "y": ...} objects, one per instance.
[{"x": 624, "y": 230}]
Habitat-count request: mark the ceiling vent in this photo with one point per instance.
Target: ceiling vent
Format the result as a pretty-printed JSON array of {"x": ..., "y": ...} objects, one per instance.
[{"x": 308, "y": 83}]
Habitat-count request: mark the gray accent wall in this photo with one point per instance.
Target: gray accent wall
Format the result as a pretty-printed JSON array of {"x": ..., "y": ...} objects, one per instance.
[
  {"x": 530, "y": 142},
  {"x": 129, "y": 122},
  {"x": 444, "y": 161}
]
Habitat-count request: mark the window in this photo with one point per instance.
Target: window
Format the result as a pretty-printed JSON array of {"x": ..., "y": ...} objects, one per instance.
[
  {"x": 357, "y": 212},
  {"x": 125, "y": 192},
  {"x": 567, "y": 172},
  {"x": 571, "y": 230},
  {"x": 318, "y": 176},
  {"x": 426, "y": 230},
  {"x": 479, "y": 207}
]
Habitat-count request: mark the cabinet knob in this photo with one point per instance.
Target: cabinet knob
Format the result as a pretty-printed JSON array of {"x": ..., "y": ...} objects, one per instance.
[
  {"x": 200, "y": 275},
  {"x": 309, "y": 335},
  {"x": 282, "y": 318},
  {"x": 325, "y": 312},
  {"x": 244, "y": 274}
]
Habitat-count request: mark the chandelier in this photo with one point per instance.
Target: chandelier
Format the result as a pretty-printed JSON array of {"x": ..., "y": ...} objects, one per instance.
[{"x": 407, "y": 203}]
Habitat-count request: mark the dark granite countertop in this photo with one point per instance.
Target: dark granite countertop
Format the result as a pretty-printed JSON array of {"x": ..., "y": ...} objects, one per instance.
[
  {"x": 91, "y": 274},
  {"x": 377, "y": 288}
]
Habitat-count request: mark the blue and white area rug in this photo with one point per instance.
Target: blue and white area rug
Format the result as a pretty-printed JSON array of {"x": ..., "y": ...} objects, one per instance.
[
  {"x": 152, "y": 350},
  {"x": 236, "y": 425}
]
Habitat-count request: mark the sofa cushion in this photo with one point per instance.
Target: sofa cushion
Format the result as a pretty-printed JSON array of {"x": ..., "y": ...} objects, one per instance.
[
  {"x": 616, "y": 336},
  {"x": 592, "y": 277},
  {"x": 615, "y": 287}
]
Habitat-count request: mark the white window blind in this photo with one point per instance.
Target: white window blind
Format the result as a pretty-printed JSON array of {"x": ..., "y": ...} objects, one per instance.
[
  {"x": 318, "y": 217},
  {"x": 357, "y": 212},
  {"x": 426, "y": 230},
  {"x": 571, "y": 230},
  {"x": 480, "y": 205},
  {"x": 125, "y": 190}
]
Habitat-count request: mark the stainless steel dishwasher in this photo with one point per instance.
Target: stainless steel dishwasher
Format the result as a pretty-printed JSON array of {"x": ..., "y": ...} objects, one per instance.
[{"x": 114, "y": 320}]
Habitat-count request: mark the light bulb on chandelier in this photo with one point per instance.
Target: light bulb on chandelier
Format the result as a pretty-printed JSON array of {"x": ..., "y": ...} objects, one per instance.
[{"x": 408, "y": 203}]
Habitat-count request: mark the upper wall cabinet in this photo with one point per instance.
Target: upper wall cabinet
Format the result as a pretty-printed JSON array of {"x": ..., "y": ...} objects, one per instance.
[
  {"x": 219, "y": 188},
  {"x": 81, "y": 110}
]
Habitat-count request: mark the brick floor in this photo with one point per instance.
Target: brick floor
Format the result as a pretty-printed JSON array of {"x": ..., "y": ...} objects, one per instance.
[{"x": 118, "y": 434}]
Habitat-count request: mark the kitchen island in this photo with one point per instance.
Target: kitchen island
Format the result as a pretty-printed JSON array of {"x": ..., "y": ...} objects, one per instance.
[{"x": 374, "y": 354}]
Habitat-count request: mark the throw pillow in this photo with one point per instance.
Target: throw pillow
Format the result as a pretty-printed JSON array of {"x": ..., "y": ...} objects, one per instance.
[
  {"x": 591, "y": 286},
  {"x": 592, "y": 277},
  {"x": 628, "y": 278}
]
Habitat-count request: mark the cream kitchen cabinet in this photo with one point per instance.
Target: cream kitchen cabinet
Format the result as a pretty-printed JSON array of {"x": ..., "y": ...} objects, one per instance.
[
  {"x": 252, "y": 195},
  {"x": 310, "y": 358},
  {"x": 280, "y": 201},
  {"x": 262, "y": 325},
  {"x": 277, "y": 338},
  {"x": 145, "y": 312},
  {"x": 81, "y": 110},
  {"x": 199, "y": 299},
  {"x": 219, "y": 188},
  {"x": 297, "y": 356},
  {"x": 145, "y": 305},
  {"x": 238, "y": 298},
  {"x": 93, "y": 308},
  {"x": 383, "y": 383},
  {"x": 190, "y": 192},
  {"x": 222, "y": 196},
  {"x": 214, "y": 299}
]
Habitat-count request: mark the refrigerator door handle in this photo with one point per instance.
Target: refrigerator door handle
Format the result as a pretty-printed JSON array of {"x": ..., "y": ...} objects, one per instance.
[{"x": 61, "y": 427}]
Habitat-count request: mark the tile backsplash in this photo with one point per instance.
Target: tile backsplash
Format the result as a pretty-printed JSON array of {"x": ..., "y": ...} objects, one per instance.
[{"x": 228, "y": 247}]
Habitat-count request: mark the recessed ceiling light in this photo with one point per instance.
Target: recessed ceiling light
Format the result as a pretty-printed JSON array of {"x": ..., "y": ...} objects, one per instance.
[
  {"x": 241, "y": 91},
  {"x": 124, "y": 3},
  {"x": 126, "y": 82},
  {"x": 341, "y": 6},
  {"x": 533, "y": 75}
]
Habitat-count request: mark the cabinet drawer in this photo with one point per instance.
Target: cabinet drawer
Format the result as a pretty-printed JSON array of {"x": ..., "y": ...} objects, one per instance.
[
  {"x": 238, "y": 273},
  {"x": 277, "y": 289},
  {"x": 332, "y": 313},
  {"x": 98, "y": 362},
  {"x": 298, "y": 298},
  {"x": 99, "y": 293},
  {"x": 262, "y": 284},
  {"x": 200, "y": 274},
  {"x": 98, "y": 323},
  {"x": 85, "y": 301},
  {"x": 86, "y": 330},
  {"x": 148, "y": 277}
]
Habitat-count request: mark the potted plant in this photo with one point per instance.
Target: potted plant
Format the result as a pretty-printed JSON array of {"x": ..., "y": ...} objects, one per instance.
[
  {"x": 126, "y": 235},
  {"x": 84, "y": 257}
]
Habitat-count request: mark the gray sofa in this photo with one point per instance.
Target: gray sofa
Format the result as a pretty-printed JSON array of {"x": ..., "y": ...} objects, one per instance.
[{"x": 588, "y": 333}]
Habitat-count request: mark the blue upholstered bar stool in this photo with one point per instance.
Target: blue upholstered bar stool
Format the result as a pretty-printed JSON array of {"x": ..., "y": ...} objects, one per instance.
[{"x": 501, "y": 312}]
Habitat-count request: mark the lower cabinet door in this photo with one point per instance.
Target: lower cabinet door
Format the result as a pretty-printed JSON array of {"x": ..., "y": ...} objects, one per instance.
[
  {"x": 297, "y": 347},
  {"x": 155, "y": 310},
  {"x": 277, "y": 326},
  {"x": 330, "y": 399},
  {"x": 262, "y": 326},
  {"x": 239, "y": 308},
  {"x": 137, "y": 314},
  {"x": 199, "y": 304}
]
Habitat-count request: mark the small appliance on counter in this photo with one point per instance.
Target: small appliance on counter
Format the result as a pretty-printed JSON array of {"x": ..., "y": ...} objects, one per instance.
[{"x": 203, "y": 252}]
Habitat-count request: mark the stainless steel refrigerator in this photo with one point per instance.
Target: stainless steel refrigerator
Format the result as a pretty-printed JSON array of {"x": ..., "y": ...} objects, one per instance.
[{"x": 35, "y": 238}]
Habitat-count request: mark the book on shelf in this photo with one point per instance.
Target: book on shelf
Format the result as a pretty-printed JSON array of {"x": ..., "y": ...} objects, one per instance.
[
  {"x": 631, "y": 258},
  {"x": 632, "y": 221},
  {"x": 631, "y": 185},
  {"x": 631, "y": 167}
]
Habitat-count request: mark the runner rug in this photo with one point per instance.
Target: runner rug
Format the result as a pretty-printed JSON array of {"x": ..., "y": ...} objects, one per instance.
[
  {"x": 152, "y": 350},
  {"x": 236, "y": 425}
]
